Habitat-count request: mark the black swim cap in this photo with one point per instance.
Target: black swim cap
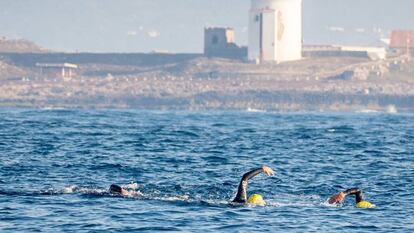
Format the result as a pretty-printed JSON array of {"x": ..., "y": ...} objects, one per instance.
[{"x": 115, "y": 189}]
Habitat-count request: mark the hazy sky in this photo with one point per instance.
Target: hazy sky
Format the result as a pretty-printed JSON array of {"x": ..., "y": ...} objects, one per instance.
[{"x": 177, "y": 25}]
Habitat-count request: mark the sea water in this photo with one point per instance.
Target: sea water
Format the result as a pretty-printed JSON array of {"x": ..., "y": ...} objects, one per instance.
[{"x": 56, "y": 167}]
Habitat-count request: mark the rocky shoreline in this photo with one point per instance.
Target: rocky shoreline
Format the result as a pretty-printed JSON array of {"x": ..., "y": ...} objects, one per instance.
[{"x": 198, "y": 83}]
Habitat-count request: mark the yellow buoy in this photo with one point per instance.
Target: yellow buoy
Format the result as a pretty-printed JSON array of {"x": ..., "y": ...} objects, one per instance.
[
  {"x": 365, "y": 205},
  {"x": 256, "y": 199}
]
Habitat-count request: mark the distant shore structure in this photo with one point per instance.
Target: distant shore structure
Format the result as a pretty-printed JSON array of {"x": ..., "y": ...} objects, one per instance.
[
  {"x": 372, "y": 53},
  {"x": 220, "y": 42},
  {"x": 275, "y": 30},
  {"x": 402, "y": 42},
  {"x": 63, "y": 70}
]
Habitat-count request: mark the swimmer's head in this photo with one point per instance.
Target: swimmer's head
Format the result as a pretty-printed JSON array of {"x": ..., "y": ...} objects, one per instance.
[
  {"x": 256, "y": 199},
  {"x": 115, "y": 189},
  {"x": 365, "y": 205}
]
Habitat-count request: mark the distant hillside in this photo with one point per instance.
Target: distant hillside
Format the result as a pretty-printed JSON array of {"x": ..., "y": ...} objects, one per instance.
[
  {"x": 8, "y": 70},
  {"x": 19, "y": 46}
]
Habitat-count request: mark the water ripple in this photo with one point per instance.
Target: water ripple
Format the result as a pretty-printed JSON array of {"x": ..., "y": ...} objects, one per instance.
[{"x": 56, "y": 167}]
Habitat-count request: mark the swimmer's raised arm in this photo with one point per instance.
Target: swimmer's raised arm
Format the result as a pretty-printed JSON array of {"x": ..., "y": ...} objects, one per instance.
[
  {"x": 338, "y": 198},
  {"x": 359, "y": 198},
  {"x": 241, "y": 196}
]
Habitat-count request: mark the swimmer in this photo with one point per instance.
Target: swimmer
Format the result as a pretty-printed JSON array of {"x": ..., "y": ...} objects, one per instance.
[
  {"x": 359, "y": 198},
  {"x": 255, "y": 199},
  {"x": 118, "y": 190}
]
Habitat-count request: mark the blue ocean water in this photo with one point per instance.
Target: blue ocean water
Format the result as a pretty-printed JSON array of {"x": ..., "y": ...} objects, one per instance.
[{"x": 56, "y": 167}]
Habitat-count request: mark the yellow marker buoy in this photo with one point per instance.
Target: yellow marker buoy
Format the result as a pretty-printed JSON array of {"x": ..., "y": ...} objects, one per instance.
[
  {"x": 256, "y": 199},
  {"x": 365, "y": 205}
]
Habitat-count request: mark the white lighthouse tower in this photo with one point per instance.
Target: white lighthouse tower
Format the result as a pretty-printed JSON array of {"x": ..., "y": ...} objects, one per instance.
[{"x": 275, "y": 30}]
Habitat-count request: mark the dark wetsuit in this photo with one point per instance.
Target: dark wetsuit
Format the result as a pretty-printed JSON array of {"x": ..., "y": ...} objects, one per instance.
[
  {"x": 355, "y": 191},
  {"x": 241, "y": 196}
]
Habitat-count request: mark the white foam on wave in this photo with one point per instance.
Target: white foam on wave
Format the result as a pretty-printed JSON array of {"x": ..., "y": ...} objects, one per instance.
[
  {"x": 69, "y": 189},
  {"x": 296, "y": 201},
  {"x": 326, "y": 204},
  {"x": 254, "y": 110},
  {"x": 392, "y": 109},
  {"x": 367, "y": 111},
  {"x": 132, "y": 186},
  {"x": 92, "y": 191},
  {"x": 173, "y": 198},
  {"x": 135, "y": 194},
  {"x": 53, "y": 108},
  {"x": 84, "y": 190},
  {"x": 290, "y": 204}
]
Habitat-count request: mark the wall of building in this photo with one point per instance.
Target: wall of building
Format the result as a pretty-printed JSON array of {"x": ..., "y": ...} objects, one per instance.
[
  {"x": 373, "y": 53},
  {"x": 275, "y": 30},
  {"x": 220, "y": 42},
  {"x": 332, "y": 53}
]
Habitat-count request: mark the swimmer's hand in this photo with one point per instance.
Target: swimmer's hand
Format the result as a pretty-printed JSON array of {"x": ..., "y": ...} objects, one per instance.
[
  {"x": 336, "y": 199},
  {"x": 268, "y": 171}
]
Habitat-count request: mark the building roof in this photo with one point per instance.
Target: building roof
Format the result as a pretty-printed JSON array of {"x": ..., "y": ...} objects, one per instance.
[
  {"x": 402, "y": 39},
  {"x": 57, "y": 65}
]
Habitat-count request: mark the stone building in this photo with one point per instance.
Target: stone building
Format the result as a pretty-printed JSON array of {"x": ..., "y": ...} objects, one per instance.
[
  {"x": 402, "y": 42},
  {"x": 220, "y": 42}
]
